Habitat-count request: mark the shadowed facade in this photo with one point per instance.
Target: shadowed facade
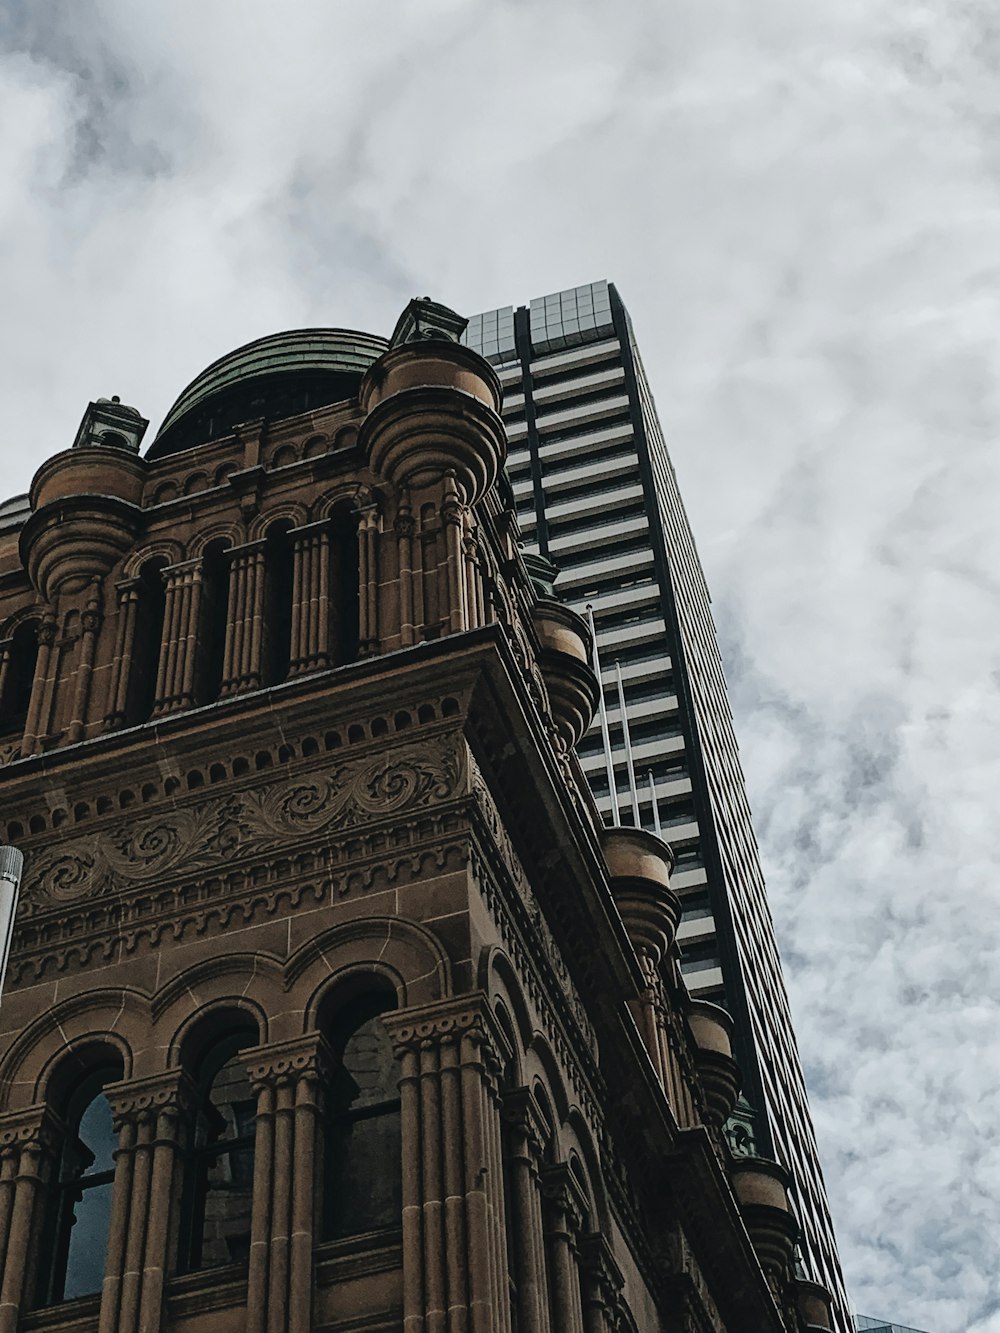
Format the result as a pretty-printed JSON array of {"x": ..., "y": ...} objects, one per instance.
[{"x": 333, "y": 1003}]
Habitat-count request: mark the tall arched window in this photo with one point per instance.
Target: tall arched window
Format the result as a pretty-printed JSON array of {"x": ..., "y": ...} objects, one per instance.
[
  {"x": 79, "y": 1208},
  {"x": 344, "y": 577},
  {"x": 150, "y": 610},
  {"x": 278, "y": 588},
  {"x": 363, "y": 1150},
  {"x": 19, "y": 677},
  {"x": 218, "y": 1181},
  {"x": 213, "y": 613}
]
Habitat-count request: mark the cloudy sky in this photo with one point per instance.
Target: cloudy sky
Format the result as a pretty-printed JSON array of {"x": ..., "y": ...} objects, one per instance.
[{"x": 800, "y": 204}]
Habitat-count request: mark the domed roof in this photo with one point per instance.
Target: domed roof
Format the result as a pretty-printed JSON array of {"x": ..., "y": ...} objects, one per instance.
[{"x": 274, "y": 377}]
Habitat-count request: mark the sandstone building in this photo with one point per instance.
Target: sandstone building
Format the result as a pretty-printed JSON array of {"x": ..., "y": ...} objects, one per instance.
[{"x": 333, "y": 1003}]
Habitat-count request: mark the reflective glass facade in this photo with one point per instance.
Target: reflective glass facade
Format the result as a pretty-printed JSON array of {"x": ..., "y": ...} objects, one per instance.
[
  {"x": 871, "y": 1325},
  {"x": 596, "y": 493}
]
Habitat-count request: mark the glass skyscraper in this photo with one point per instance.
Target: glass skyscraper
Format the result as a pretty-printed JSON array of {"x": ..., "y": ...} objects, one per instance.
[{"x": 596, "y": 494}]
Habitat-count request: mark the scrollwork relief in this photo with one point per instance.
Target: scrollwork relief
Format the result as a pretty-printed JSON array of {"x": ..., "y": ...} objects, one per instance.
[{"x": 207, "y": 834}]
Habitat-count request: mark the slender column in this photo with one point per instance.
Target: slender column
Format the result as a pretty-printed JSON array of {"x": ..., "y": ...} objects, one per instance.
[
  {"x": 404, "y": 540},
  {"x": 288, "y": 1077},
  {"x": 175, "y": 672},
  {"x": 128, "y": 602},
  {"x": 6, "y": 648},
  {"x": 260, "y": 1219},
  {"x": 150, "y": 1118},
  {"x": 564, "y": 1215},
  {"x": 472, "y": 574},
  {"x": 242, "y": 659},
  {"x": 602, "y": 1285},
  {"x": 452, "y": 513},
  {"x": 453, "y": 1242},
  {"x": 91, "y": 624},
  {"x": 29, "y": 1144},
  {"x": 413, "y": 1246},
  {"x": 368, "y": 580},
  {"x": 41, "y": 692},
  {"x": 525, "y": 1138},
  {"x": 310, "y": 598}
]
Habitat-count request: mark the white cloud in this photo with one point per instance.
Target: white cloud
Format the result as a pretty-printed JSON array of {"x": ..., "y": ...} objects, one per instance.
[{"x": 800, "y": 205}]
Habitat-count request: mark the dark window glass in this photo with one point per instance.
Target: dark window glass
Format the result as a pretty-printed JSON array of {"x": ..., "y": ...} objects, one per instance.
[
  {"x": 344, "y": 577},
  {"x": 278, "y": 588},
  {"x": 80, "y": 1208},
  {"x": 212, "y": 617},
  {"x": 146, "y": 644},
  {"x": 219, "y": 1181},
  {"x": 20, "y": 677},
  {"x": 363, "y": 1159}
]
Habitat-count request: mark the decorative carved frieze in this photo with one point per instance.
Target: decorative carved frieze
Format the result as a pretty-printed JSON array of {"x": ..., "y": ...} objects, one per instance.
[{"x": 207, "y": 834}]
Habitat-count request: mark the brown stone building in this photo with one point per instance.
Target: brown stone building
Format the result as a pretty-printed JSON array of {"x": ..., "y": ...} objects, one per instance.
[{"x": 333, "y": 1004}]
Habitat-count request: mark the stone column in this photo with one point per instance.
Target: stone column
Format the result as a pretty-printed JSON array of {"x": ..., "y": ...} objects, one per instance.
[
  {"x": 244, "y": 630},
  {"x": 454, "y": 1240},
  {"x": 29, "y": 1150},
  {"x": 175, "y": 674},
  {"x": 405, "y": 528},
  {"x": 452, "y": 518},
  {"x": 310, "y": 649},
  {"x": 564, "y": 1213},
  {"x": 602, "y": 1285},
  {"x": 39, "y": 708},
  {"x": 473, "y": 574},
  {"x": 525, "y": 1140},
  {"x": 368, "y": 639},
  {"x": 288, "y": 1077},
  {"x": 90, "y": 628},
  {"x": 151, "y": 1118},
  {"x": 128, "y": 602},
  {"x": 6, "y": 648}
]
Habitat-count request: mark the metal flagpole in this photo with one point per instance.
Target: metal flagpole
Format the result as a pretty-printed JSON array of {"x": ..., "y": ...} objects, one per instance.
[
  {"x": 609, "y": 762},
  {"x": 628, "y": 747},
  {"x": 11, "y": 866},
  {"x": 652, "y": 797}
]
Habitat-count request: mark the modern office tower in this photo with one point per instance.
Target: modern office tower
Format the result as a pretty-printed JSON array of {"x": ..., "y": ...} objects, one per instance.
[
  {"x": 868, "y": 1324},
  {"x": 333, "y": 1003},
  {"x": 596, "y": 494}
]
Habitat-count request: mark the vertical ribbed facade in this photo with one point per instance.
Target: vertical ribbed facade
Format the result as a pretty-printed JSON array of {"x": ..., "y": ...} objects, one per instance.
[{"x": 596, "y": 493}]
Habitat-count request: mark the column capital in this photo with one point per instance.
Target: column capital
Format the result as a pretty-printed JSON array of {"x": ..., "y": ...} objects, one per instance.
[
  {"x": 318, "y": 528},
  {"x": 35, "y": 1127},
  {"x": 182, "y": 567},
  {"x": 144, "y": 1099},
  {"x": 520, "y": 1109},
  {"x": 460, "y": 1016},
  {"x": 561, "y": 1189},
  {"x": 256, "y": 547},
  {"x": 286, "y": 1062},
  {"x": 598, "y": 1264}
]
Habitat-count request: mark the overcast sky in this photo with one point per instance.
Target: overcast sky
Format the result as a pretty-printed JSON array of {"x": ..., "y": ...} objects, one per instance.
[{"x": 800, "y": 204}]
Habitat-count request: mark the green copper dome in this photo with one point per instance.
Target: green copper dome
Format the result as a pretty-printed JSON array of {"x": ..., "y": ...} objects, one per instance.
[{"x": 274, "y": 377}]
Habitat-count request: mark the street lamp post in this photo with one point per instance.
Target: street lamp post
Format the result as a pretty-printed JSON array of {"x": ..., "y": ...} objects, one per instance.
[{"x": 11, "y": 866}]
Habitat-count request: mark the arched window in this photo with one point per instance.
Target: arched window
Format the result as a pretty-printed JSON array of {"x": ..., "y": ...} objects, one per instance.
[
  {"x": 278, "y": 589},
  {"x": 363, "y": 1150},
  {"x": 19, "y": 677},
  {"x": 213, "y": 613},
  {"x": 344, "y": 577},
  {"x": 150, "y": 610},
  {"x": 79, "y": 1207},
  {"x": 218, "y": 1181}
]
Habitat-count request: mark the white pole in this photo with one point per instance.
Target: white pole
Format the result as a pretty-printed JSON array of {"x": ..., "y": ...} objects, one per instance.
[
  {"x": 11, "y": 866},
  {"x": 652, "y": 797},
  {"x": 609, "y": 762},
  {"x": 628, "y": 747}
]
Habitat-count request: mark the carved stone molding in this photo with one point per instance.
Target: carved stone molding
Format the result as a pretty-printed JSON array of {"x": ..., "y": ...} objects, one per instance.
[
  {"x": 144, "y": 1099},
  {"x": 283, "y": 1063},
  {"x": 35, "y": 1127},
  {"x": 448, "y": 1021},
  {"x": 207, "y": 834}
]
